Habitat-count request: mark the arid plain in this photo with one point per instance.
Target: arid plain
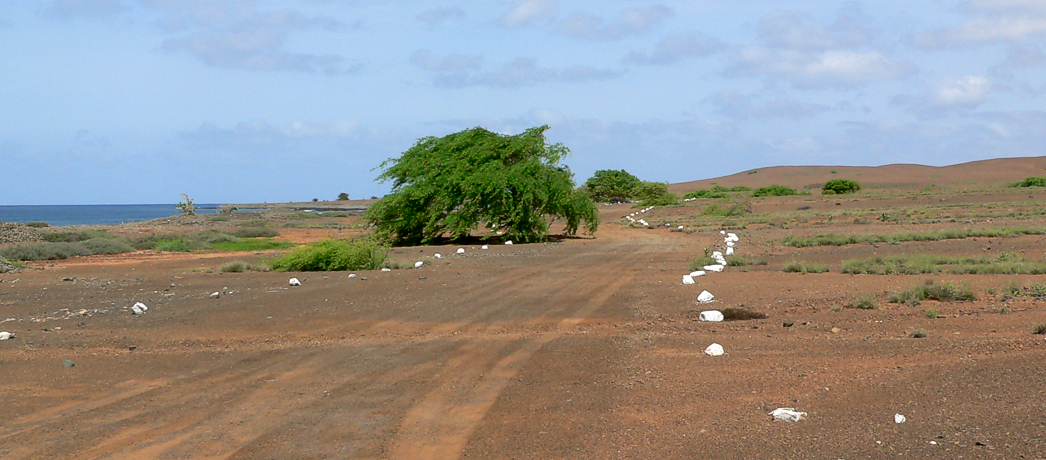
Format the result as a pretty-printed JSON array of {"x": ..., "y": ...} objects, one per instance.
[{"x": 579, "y": 348}]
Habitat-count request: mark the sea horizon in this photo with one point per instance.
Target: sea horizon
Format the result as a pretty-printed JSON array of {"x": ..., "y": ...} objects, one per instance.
[{"x": 94, "y": 214}]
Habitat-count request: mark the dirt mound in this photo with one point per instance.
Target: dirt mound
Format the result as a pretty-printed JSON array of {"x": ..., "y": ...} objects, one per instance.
[
  {"x": 978, "y": 173},
  {"x": 12, "y": 232}
]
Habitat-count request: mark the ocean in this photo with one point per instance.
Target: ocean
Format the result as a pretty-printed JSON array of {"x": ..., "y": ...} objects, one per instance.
[{"x": 94, "y": 214}]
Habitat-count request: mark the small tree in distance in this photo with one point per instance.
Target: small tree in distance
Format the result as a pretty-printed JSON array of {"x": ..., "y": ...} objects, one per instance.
[
  {"x": 449, "y": 186},
  {"x": 187, "y": 207},
  {"x": 343, "y": 196},
  {"x": 840, "y": 186},
  {"x": 610, "y": 186}
]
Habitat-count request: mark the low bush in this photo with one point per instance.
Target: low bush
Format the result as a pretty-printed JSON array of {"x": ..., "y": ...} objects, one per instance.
[
  {"x": 704, "y": 194},
  {"x": 44, "y": 251},
  {"x": 333, "y": 255},
  {"x": 240, "y": 266},
  {"x": 863, "y": 303},
  {"x": 1039, "y": 328},
  {"x": 774, "y": 190},
  {"x": 804, "y": 267},
  {"x": 76, "y": 236},
  {"x": 37, "y": 224},
  {"x": 107, "y": 246},
  {"x": 177, "y": 244},
  {"x": 699, "y": 262},
  {"x": 1031, "y": 182},
  {"x": 834, "y": 239},
  {"x": 252, "y": 244},
  {"x": 725, "y": 209},
  {"x": 840, "y": 186},
  {"x": 741, "y": 261},
  {"x": 931, "y": 290},
  {"x": 919, "y": 264}
]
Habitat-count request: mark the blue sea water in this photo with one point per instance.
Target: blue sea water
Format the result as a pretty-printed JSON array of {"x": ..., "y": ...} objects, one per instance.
[{"x": 94, "y": 214}]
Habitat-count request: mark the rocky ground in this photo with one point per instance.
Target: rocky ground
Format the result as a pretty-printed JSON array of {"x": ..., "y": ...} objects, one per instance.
[{"x": 580, "y": 348}]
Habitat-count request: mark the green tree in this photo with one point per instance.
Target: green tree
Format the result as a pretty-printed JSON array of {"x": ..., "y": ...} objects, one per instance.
[
  {"x": 449, "y": 186},
  {"x": 343, "y": 196},
  {"x": 840, "y": 186},
  {"x": 610, "y": 186},
  {"x": 774, "y": 190},
  {"x": 656, "y": 194}
]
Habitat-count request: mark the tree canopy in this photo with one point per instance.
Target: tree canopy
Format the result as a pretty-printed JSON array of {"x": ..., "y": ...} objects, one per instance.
[
  {"x": 840, "y": 186},
  {"x": 610, "y": 186},
  {"x": 449, "y": 186}
]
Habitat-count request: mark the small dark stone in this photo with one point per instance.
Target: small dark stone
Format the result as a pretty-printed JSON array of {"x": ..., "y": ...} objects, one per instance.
[
  {"x": 422, "y": 278},
  {"x": 981, "y": 443},
  {"x": 132, "y": 347},
  {"x": 67, "y": 363},
  {"x": 788, "y": 323}
]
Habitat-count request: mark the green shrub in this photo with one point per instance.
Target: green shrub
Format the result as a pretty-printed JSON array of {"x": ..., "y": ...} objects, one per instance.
[
  {"x": 863, "y": 303},
  {"x": 255, "y": 232},
  {"x": 699, "y": 263},
  {"x": 725, "y": 208},
  {"x": 742, "y": 261},
  {"x": 840, "y": 186},
  {"x": 252, "y": 244},
  {"x": 610, "y": 186},
  {"x": 37, "y": 224},
  {"x": 210, "y": 237},
  {"x": 333, "y": 255},
  {"x": 1031, "y": 182},
  {"x": 704, "y": 194},
  {"x": 107, "y": 246},
  {"x": 1039, "y": 329},
  {"x": 656, "y": 194},
  {"x": 76, "y": 236},
  {"x": 932, "y": 313},
  {"x": 804, "y": 267},
  {"x": 917, "y": 334},
  {"x": 736, "y": 188},
  {"x": 240, "y": 266},
  {"x": 833, "y": 239},
  {"x": 774, "y": 190},
  {"x": 176, "y": 244},
  {"x": 931, "y": 290},
  {"x": 43, "y": 251}
]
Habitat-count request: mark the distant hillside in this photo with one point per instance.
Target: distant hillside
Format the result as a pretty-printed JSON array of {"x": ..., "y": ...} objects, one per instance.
[{"x": 997, "y": 172}]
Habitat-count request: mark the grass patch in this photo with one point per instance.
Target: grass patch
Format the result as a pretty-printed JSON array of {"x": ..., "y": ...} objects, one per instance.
[
  {"x": 920, "y": 264},
  {"x": 834, "y": 239},
  {"x": 44, "y": 251},
  {"x": 699, "y": 263},
  {"x": 107, "y": 246},
  {"x": 37, "y": 224},
  {"x": 804, "y": 267},
  {"x": 252, "y": 244},
  {"x": 932, "y": 313},
  {"x": 1039, "y": 328},
  {"x": 252, "y": 223},
  {"x": 725, "y": 209},
  {"x": 741, "y": 261},
  {"x": 932, "y": 290},
  {"x": 240, "y": 266},
  {"x": 863, "y": 303},
  {"x": 918, "y": 334},
  {"x": 333, "y": 255},
  {"x": 255, "y": 232},
  {"x": 774, "y": 190},
  {"x": 1031, "y": 182},
  {"x": 74, "y": 237}
]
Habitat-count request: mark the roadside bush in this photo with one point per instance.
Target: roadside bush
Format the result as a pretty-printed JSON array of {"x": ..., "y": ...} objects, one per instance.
[
  {"x": 863, "y": 303},
  {"x": 73, "y": 237},
  {"x": 704, "y": 194},
  {"x": 43, "y": 251},
  {"x": 725, "y": 208},
  {"x": 804, "y": 267},
  {"x": 931, "y": 290},
  {"x": 176, "y": 244},
  {"x": 840, "y": 186},
  {"x": 213, "y": 236},
  {"x": 1031, "y": 182},
  {"x": 255, "y": 232},
  {"x": 741, "y": 261},
  {"x": 107, "y": 246},
  {"x": 240, "y": 266},
  {"x": 699, "y": 262},
  {"x": 774, "y": 190},
  {"x": 610, "y": 186},
  {"x": 656, "y": 194},
  {"x": 333, "y": 255}
]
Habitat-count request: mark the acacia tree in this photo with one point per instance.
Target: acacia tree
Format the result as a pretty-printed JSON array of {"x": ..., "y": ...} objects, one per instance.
[
  {"x": 448, "y": 186},
  {"x": 610, "y": 186}
]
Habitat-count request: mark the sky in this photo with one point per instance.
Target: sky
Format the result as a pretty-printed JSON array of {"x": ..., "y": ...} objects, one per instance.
[{"x": 231, "y": 101}]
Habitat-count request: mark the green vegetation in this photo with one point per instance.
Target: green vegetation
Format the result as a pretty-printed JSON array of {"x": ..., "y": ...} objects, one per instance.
[
  {"x": 774, "y": 190},
  {"x": 37, "y": 224},
  {"x": 187, "y": 207},
  {"x": 840, "y": 186},
  {"x": 610, "y": 186},
  {"x": 699, "y": 262},
  {"x": 804, "y": 267},
  {"x": 1006, "y": 263},
  {"x": 917, "y": 334},
  {"x": 251, "y": 244},
  {"x": 833, "y": 239},
  {"x": 107, "y": 246},
  {"x": 1031, "y": 182},
  {"x": 742, "y": 261},
  {"x": 1039, "y": 328},
  {"x": 43, "y": 251},
  {"x": 240, "y": 266},
  {"x": 931, "y": 290},
  {"x": 451, "y": 185},
  {"x": 866, "y": 302},
  {"x": 76, "y": 236},
  {"x": 343, "y": 196},
  {"x": 656, "y": 194},
  {"x": 255, "y": 232},
  {"x": 333, "y": 255},
  {"x": 65, "y": 244},
  {"x": 725, "y": 208},
  {"x": 932, "y": 313},
  {"x": 716, "y": 191}
]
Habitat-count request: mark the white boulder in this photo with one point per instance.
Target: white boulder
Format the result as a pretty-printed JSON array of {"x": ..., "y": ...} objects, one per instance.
[
  {"x": 705, "y": 297},
  {"x": 714, "y": 268},
  {"x": 294, "y": 282},
  {"x": 484, "y": 247},
  {"x": 386, "y": 269},
  {"x": 787, "y": 414},
  {"x": 461, "y": 251},
  {"x": 509, "y": 242},
  {"x": 710, "y": 316},
  {"x": 438, "y": 255},
  {"x": 697, "y": 273},
  {"x": 418, "y": 264},
  {"x": 352, "y": 275},
  {"x": 139, "y": 308},
  {"x": 729, "y": 251},
  {"x": 6, "y": 335},
  {"x": 715, "y": 349},
  {"x": 687, "y": 279}
]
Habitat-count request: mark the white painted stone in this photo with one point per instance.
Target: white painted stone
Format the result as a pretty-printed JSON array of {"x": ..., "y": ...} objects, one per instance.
[
  {"x": 705, "y": 297},
  {"x": 714, "y": 268},
  {"x": 418, "y": 264},
  {"x": 710, "y": 316},
  {"x": 697, "y": 273},
  {"x": 5, "y": 335},
  {"x": 687, "y": 279},
  {"x": 715, "y": 349},
  {"x": 139, "y": 308},
  {"x": 461, "y": 250},
  {"x": 294, "y": 282}
]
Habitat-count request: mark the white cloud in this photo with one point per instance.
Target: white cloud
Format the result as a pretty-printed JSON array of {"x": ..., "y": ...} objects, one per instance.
[
  {"x": 675, "y": 47},
  {"x": 983, "y": 31},
  {"x": 528, "y": 12},
  {"x": 968, "y": 91},
  {"x": 631, "y": 21},
  {"x": 424, "y": 60},
  {"x": 835, "y": 67}
]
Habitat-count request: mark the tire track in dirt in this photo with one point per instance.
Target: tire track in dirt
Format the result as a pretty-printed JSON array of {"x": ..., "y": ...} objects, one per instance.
[{"x": 441, "y": 424}]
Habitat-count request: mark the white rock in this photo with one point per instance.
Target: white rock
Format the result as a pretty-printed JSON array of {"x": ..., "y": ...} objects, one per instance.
[
  {"x": 899, "y": 419},
  {"x": 705, "y": 297},
  {"x": 687, "y": 279},
  {"x": 461, "y": 250},
  {"x": 680, "y": 227},
  {"x": 722, "y": 232},
  {"x": 352, "y": 275},
  {"x": 715, "y": 349},
  {"x": 787, "y": 414},
  {"x": 729, "y": 244},
  {"x": 732, "y": 236},
  {"x": 215, "y": 295},
  {"x": 729, "y": 251},
  {"x": 418, "y": 264},
  {"x": 710, "y": 316},
  {"x": 386, "y": 269},
  {"x": 484, "y": 247},
  {"x": 438, "y": 255},
  {"x": 5, "y": 335},
  {"x": 508, "y": 242},
  {"x": 139, "y": 308},
  {"x": 294, "y": 282},
  {"x": 697, "y": 273},
  {"x": 714, "y": 268},
  {"x": 717, "y": 254}
]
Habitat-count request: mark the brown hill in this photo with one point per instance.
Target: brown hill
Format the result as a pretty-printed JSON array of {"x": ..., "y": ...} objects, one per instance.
[{"x": 996, "y": 172}]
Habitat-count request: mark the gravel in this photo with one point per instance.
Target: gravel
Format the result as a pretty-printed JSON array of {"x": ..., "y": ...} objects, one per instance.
[{"x": 11, "y": 232}]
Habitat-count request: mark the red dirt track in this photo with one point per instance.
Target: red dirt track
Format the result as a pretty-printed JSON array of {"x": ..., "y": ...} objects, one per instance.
[{"x": 582, "y": 348}]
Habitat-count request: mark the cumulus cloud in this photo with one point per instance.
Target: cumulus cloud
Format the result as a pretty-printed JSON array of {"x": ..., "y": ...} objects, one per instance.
[
  {"x": 440, "y": 16},
  {"x": 631, "y": 21},
  {"x": 528, "y": 12},
  {"x": 991, "y": 21},
  {"x": 968, "y": 91},
  {"x": 812, "y": 54},
  {"x": 458, "y": 71},
  {"x": 68, "y": 9},
  {"x": 454, "y": 62},
  {"x": 676, "y": 47},
  {"x": 735, "y": 105}
]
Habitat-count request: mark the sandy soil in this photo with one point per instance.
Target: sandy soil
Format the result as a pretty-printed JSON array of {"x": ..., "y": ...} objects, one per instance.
[{"x": 582, "y": 348}]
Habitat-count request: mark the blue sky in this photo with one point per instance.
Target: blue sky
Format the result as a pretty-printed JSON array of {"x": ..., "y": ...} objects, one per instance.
[{"x": 138, "y": 101}]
